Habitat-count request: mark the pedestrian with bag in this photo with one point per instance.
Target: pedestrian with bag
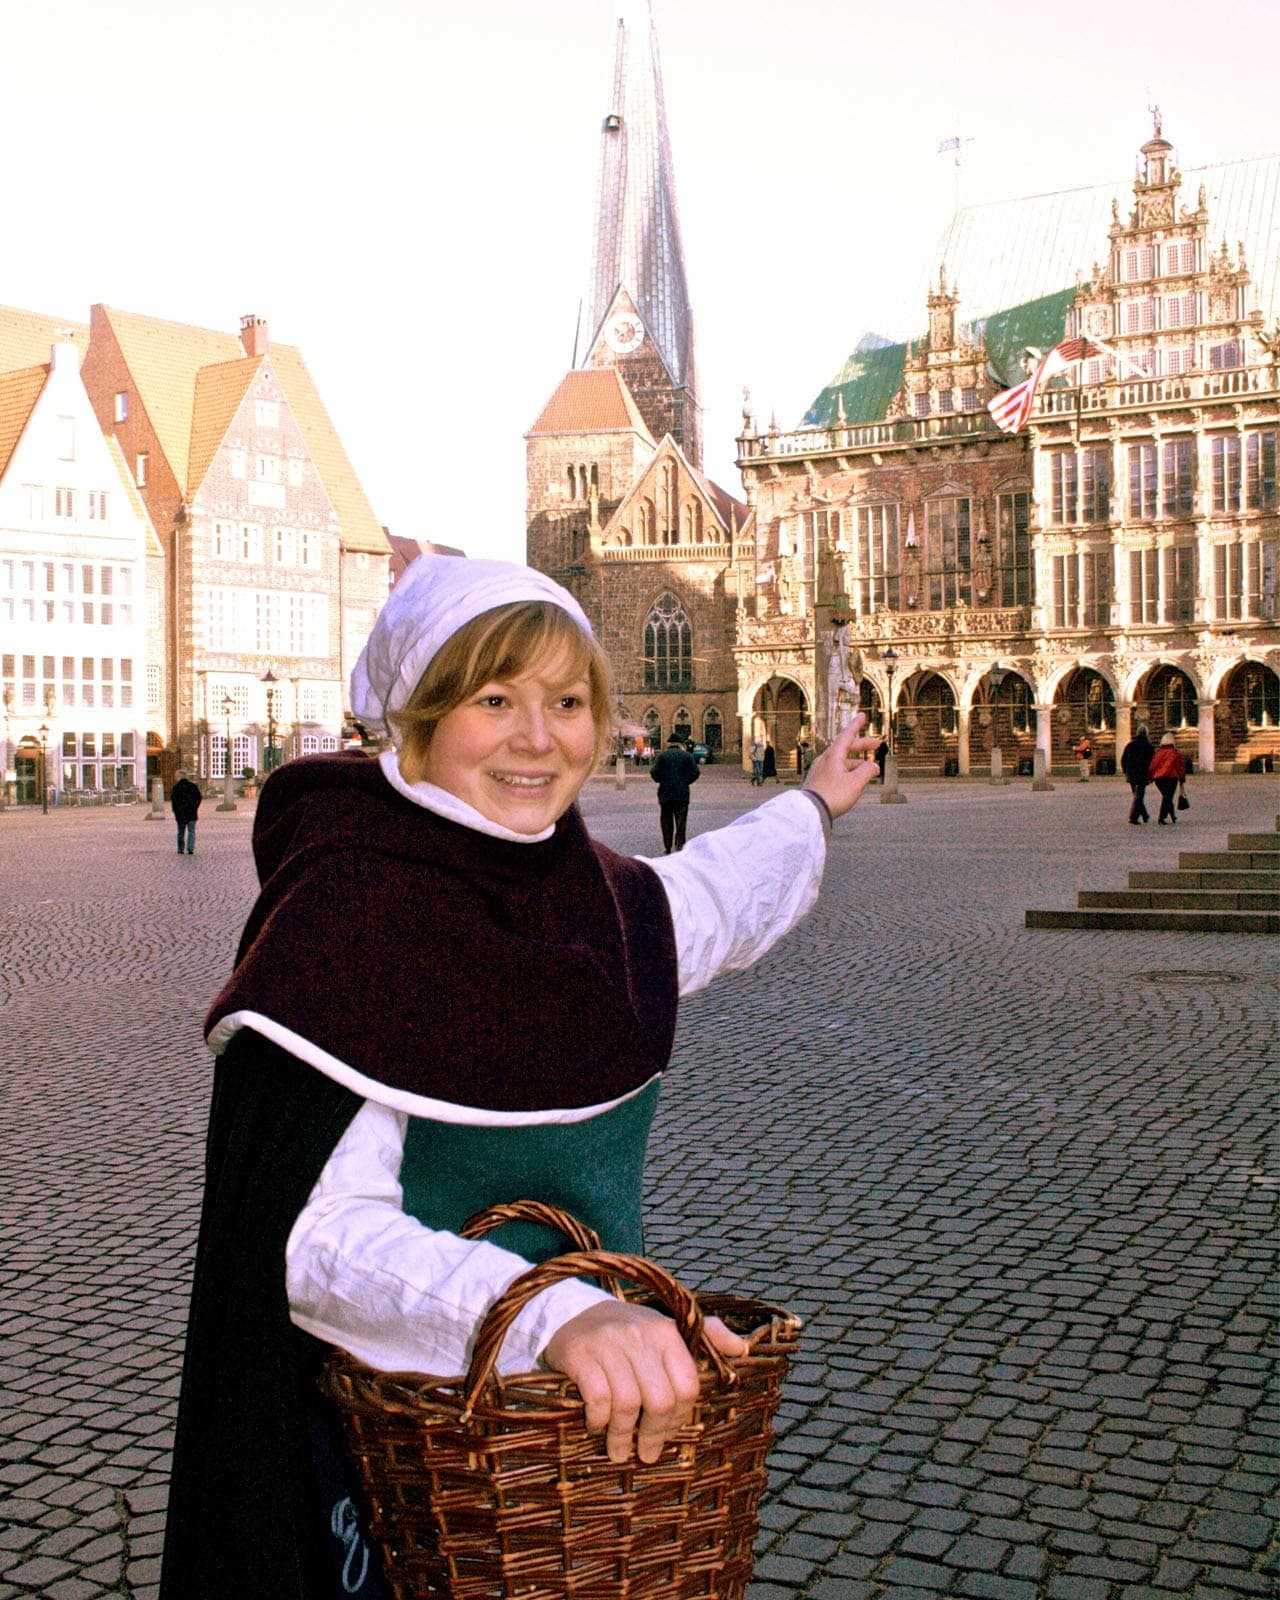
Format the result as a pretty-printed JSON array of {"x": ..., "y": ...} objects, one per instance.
[
  {"x": 1135, "y": 763},
  {"x": 401, "y": 1045},
  {"x": 1167, "y": 771}
]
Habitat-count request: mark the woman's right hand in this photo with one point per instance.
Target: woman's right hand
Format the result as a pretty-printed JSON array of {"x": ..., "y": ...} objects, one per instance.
[
  {"x": 634, "y": 1372},
  {"x": 844, "y": 769}
]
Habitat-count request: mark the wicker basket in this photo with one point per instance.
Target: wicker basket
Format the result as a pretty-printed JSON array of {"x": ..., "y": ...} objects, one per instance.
[{"x": 487, "y": 1488}]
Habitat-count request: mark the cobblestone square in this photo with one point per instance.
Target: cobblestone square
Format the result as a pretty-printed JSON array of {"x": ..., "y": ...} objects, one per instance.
[{"x": 1021, "y": 1185}]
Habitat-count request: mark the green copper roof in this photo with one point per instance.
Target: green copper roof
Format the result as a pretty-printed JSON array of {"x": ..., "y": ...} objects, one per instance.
[
  {"x": 872, "y": 375},
  {"x": 1015, "y": 264}
]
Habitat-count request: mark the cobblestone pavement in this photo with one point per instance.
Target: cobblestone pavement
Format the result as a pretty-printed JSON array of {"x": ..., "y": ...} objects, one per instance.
[{"x": 1016, "y": 1182}]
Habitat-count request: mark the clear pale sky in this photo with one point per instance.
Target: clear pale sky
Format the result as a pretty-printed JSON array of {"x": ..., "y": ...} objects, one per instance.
[{"x": 404, "y": 188}]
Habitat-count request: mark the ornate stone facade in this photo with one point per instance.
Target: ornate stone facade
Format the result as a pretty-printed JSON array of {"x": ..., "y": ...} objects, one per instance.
[{"x": 1114, "y": 563}]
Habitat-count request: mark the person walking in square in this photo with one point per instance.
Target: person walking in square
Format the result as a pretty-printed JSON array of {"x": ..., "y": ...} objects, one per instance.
[
  {"x": 185, "y": 799},
  {"x": 675, "y": 772},
  {"x": 757, "y": 762},
  {"x": 1135, "y": 763},
  {"x": 769, "y": 766},
  {"x": 1168, "y": 769}
]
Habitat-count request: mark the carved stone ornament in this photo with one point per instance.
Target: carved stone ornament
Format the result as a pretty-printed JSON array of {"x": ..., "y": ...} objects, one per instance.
[
  {"x": 778, "y": 658},
  {"x": 772, "y": 630}
]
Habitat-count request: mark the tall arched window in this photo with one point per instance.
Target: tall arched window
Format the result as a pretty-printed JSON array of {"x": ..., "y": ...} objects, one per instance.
[{"x": 668, "y": 646}]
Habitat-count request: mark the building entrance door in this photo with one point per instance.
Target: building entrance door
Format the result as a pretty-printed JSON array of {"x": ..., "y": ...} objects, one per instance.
[{"x": 27, "y": 788}]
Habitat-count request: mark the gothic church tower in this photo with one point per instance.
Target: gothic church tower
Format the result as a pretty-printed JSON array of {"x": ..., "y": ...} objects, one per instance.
[
  {"x": 617, "y": 507},
  {"x": 636, "y": 314}
]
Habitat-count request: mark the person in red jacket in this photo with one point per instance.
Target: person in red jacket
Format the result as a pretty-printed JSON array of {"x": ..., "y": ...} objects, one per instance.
[{"x": 1168, "y": 769}]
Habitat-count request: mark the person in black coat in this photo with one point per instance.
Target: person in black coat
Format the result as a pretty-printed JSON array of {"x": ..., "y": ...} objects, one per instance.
[
  {"x": 675, "y": 772},
  {"x": 1135, "y": 763},
  {"x": 185, "y": 798},
  {"x": 769, "y": 769}
]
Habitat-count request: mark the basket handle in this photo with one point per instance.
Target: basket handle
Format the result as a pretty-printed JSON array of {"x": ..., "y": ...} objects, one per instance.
[
  {"x": 579, "y": 1234},
  {"x": 669, "y": 1292}
]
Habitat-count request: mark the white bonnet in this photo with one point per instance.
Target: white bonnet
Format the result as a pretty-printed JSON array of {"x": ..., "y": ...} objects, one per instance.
[{"x": 434, "y": 598}]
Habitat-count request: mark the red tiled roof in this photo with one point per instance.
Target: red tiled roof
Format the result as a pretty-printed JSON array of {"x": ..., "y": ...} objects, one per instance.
[
  {"x": 19, "y": 392},
  {"x": 27, "y": 336},
  {"x": 591, "y": 400}
]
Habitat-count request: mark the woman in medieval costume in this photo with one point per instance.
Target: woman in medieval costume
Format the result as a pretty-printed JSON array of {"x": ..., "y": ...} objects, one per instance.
[{"x": 447, "y": 996}]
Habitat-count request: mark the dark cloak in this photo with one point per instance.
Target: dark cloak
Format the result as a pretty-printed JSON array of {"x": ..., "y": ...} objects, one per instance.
[{"x": 430, "y": 958}]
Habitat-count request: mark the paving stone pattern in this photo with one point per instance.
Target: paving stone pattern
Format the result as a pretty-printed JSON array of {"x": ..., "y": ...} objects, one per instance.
[{"x": 1021, "y": 1185}]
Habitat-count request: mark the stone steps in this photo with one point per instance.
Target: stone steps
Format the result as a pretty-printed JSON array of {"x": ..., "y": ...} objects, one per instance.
[
  {"x": 1187, "y": 878},
  {"x": 1160, "y": 921},
  {"x": 1236, "y": 890},
  {"x": 1180, "y": 899}
]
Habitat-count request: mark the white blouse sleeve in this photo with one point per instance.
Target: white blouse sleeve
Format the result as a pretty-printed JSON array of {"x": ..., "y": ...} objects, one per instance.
[
  {"x": 362, "y": 1274},
  {"x": 735, "y": 891}
]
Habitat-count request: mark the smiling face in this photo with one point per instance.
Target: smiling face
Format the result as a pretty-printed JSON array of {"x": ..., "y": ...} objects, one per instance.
[{"x": 519, "y": 749}]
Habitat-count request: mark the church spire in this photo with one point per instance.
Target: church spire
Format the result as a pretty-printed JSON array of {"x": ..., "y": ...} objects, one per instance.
[{"x": 637, "y": 267}]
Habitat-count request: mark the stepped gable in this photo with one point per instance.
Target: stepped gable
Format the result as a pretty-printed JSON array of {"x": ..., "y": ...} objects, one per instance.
[{"x": 1017, "y": 265}]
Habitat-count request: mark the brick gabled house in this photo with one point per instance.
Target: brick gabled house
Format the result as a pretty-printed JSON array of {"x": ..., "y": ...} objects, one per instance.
[{"x": 274, "y": 563}]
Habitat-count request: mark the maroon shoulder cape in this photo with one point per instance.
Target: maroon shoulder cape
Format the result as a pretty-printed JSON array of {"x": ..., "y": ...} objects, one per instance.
[{"x": 438, "y": 960}]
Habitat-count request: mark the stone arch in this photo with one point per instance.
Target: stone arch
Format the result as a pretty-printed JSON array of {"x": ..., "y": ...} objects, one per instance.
[
  {"x": 926, "y": 720},
  {"x": 781, "y": 710},
  {"x": 1002, "y": 714},
  {"x": 1247, "y": 718},
  {"x": 1167, "y": 700},
  {"x": 1084, "y": 708}
]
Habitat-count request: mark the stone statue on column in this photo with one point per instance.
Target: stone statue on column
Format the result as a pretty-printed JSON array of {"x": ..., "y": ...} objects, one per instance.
[{"x": 843, "y": 694}]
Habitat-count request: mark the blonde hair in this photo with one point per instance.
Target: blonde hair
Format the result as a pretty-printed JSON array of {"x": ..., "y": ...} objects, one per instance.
[{"x": 497, "y": 645}]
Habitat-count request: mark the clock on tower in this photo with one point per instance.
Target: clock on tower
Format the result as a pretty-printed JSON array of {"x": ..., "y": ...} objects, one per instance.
[{"x": 623, "y": 332}]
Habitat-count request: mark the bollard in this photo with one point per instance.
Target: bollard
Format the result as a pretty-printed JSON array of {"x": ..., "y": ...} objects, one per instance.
[
  {"x": 620, "y": 773},
  {"x": 156, "y": 814},
  {"x": 997, "y": 766},
  {"x": 891, "y": 796},
  {"x": 1040, "y": 771}
]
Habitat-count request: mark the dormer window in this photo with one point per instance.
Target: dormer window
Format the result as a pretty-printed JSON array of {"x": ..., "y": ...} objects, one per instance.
[{"x": 121, "y": 412}]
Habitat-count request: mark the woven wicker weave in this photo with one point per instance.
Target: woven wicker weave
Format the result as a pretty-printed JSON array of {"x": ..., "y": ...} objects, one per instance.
[{"x": 481, "y": 1488}]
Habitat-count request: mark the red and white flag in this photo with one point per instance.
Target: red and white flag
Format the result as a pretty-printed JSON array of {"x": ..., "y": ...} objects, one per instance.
[{"x": 1011, "y": 409}]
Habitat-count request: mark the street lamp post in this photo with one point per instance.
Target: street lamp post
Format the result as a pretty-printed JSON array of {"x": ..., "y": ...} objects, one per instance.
[
  {"x": 270, "y": 679},
  {"x": 44, "y": 768},
  {"x": 228, "y": 801},
  {"x": 997, "y": 757},
  {"x": 890, "y": 667},
  {"x": 892, "y": 794}
]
